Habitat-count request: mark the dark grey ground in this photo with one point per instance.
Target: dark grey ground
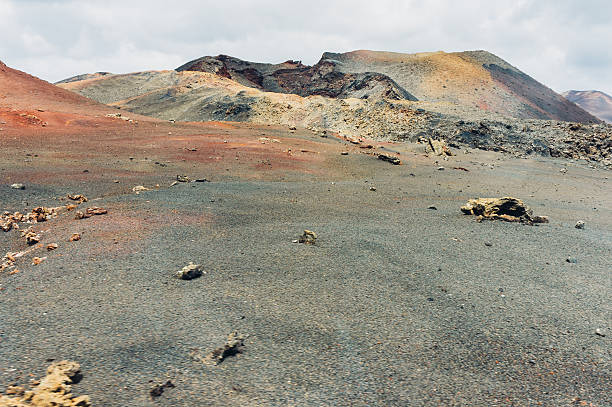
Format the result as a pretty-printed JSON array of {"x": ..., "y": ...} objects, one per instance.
[{"x": 396, "y": 305}]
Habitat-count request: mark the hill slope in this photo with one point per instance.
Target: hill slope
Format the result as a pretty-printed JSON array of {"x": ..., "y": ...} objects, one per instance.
[
  {"x": 595, "y": 102},
  {"x": 473, "y": 78},
  {"x": 202, "y": 96},
  {"x": 22, "y": 91}
]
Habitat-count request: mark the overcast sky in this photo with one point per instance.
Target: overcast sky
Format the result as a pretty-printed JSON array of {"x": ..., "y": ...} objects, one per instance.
[{"x": 563, "y": 44}]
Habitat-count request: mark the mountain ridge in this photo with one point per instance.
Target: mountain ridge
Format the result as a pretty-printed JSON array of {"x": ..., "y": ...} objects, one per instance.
[{"x": 596, "y": 102}]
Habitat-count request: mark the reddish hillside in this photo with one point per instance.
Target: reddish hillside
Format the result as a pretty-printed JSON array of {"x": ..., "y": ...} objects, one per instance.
[
  {"x": 27, "y": 101},
  {"x": 18, "y": 90}
]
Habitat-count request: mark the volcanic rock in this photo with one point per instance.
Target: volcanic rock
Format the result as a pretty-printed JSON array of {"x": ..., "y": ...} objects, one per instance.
[
  {"x": 189, "y": 272},
  {"x": 507, "y": 209},
  {"x": 53, "y": 390},
  {"x": 308, "y": 237}
]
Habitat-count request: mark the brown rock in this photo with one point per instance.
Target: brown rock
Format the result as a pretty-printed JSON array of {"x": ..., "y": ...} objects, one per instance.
[
  {"x": 439, "y": 147},
  {"x": 308, "y": 237},
  {"x": 507, "y": 209},
  {"x": 53, "y": 390},
  {"x": 75, "y": 237},
  {"x": 78, "y": 197}
]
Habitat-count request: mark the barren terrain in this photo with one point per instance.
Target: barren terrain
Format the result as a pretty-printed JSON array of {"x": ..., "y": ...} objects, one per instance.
[{"x": 402, "y": 300}]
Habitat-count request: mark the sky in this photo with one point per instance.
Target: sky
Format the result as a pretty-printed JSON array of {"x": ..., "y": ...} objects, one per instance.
[{"x": 563, "y": 44}]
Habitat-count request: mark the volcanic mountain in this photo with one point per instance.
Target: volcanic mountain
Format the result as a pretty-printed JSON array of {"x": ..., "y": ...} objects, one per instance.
[
  {"x": 595, "y": 102},
  {"x": 472, "y": 79},
  {"x": 294, "y": 77}
]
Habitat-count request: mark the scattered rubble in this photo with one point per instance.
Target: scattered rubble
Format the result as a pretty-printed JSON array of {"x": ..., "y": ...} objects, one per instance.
[
  {"x": 18, "y": 186},
  {"x": 233, "y": 346},
  {"x": 10, "y": 221},
  {"x": 389, "y": 158},
  {"x": 308, "y": 237},
  {"x": 158, "y": 389},
  {"x": 52, "y": 390},
  {"x": 190, "y": 271},
  {"x": 507, "y": 209}
]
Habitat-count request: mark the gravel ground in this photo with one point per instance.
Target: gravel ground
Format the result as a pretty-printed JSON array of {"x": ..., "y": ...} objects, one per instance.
[{"x": 396, "y": 304}]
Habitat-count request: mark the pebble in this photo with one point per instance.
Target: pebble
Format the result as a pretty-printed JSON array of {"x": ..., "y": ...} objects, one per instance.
[
  {"x": 488, "y": 244},
  {"x": 432, "y": 207},
  {"x": 344, "y": 153},
  {"x": 440, "y": 168},
  {"x": 189, "y": 272},
  {"x": 18, "y": 186},
  {"x": 372, "y": 188},
  {"x": 571, "y": 260},
  {"x": 599, "y": 332},
  {"x": 580, "y": 224}
]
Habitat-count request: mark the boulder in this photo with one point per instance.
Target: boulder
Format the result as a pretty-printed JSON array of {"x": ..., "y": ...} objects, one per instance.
[{"x": 507, "y": 209}]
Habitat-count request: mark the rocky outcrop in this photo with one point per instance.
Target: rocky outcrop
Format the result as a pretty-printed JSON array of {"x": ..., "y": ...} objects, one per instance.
[{"x": 294, "y": 77}]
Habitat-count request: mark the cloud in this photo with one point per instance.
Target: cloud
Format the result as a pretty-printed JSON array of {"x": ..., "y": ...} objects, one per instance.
[{"x": 563, "y": 44}]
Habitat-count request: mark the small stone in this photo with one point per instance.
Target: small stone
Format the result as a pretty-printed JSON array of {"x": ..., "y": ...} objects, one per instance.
[
  {"x": 182, "y": 178},
  {"x": 372, "y": 188},
  {"x": 599, "y": 332},
  {"x": 571, "y": 260},
  {"x": 440, "y": 168},
  {"x": 32, "y": 238},
  {"x": 158, "y": 389},
  {"x": 37, "y": 260},
  {"x": 488, "y": 244},
  {"x": 75, "y": 237},
  {"x": 139, "y": 188},
  {"x": 580, "y": 224},
  {"x": 295, "y": 241},
  {"x": 432, "y": 208},
  {"x": 189, "y": 272},
  {"x": 344, "y": 153},
  {"x": 18, "y": 186},
  {"x": 52, "y": 246},
  {"x": 308, "y": 237}
]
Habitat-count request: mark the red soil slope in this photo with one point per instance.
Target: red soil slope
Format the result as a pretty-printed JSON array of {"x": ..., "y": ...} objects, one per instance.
[{"x": 27, "y": 101}]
